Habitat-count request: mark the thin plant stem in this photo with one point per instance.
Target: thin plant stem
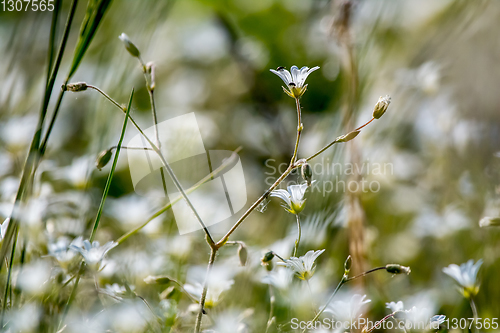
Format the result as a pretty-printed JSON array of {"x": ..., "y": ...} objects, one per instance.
[
  {"x": 474, "y": 311},
  {"x": 334, "y": 142},
  {"x": 272, "y": 300},
  {"x": 377, "y": 323},
  {"x": 366, "y": 273},
  {"x": 170, "y": 172},
  {"x": 341, "y": 283},
  {"x": 112, "y": 171},
  {"x": 203, "y": 298},
  {"x": 72, "y": 295},
  {"x": 299, "y": 232},
  {"x": 300, "y": 127},
  {"x": 173, "y": 202}
]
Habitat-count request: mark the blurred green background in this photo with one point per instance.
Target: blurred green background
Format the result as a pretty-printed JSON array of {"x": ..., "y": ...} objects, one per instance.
[{"x": 438, "y": 60}]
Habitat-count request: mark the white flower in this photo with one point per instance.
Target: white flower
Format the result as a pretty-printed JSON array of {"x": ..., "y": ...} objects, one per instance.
[
  {"x": 417, "y": 316},
  {"x": 465, "y": 275},
  {"x": 279, "y": 278},
  {"x": 294, "y": 80},
  {"x": 62, "y": 251},
  {"x": 93, "y": 253},
  {"x": 303, "y": 266},
  {"x": 395, "y": 307},
  {"x": 214, "y": 291},
  {"x": 348, "y": 311},
  {"x": 293, "y": 197}
]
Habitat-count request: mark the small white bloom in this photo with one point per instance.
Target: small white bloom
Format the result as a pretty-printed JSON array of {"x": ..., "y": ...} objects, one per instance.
[
  {"x": 465, "y": 275},
  {"x": 214, "y": 291},
  {"x": 93, "y": 253},
  {"x": 61, "y": 251},
  {"x": 303, "y": 266},
  {"x": 293, "y": 197},
  {"x": 348, "y": 311},
  {"x": 294, "y": 79},
  {"x": 395, "y": 307},
  {"x": 279, "y": 278}
]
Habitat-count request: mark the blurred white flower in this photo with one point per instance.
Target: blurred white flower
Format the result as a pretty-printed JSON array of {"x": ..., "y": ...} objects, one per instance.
[
  {"x": 348, "y": 311},
  {"x": 62, "y": 252},
  {"x": 293, "y": 197},
  {"x": 230, "y": 322},
  {"x": 294, "y": 79},
  {"x": 93, "y": 254},
  {"x": 279, "y": 278},
  {"x": 465, "y": 275},
  {"x": 77, "y": 172},
  {"x": 130, "y": 210},
  {"x": 303, "y": 266},
  {"x": 25, "y": 319},
  {"x": 395, "y": 307},
  {"x": 33, "y": 277},
  {"x": 130, "y": 317},
  {"x": 416, "y": 317},
  {"x": 219, "y": 281}
]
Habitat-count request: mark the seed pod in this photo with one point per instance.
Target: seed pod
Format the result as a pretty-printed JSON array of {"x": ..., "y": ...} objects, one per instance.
[
  {"x": 267, "y": 257},
  {"x": 381, "y": 106},
  {"x": 103, "y": 158},
  {"x": 131, "y": 48},
  {"x": 75, "y": 87},
  {"x": 242, "y": 254},
  {"x": 348, "y": 137},
  {"x": 397, "y": 269},
  {"x": 307, "y": 173}
]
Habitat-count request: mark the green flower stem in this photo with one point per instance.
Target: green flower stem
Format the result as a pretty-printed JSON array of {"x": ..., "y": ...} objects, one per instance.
[
  {"x": 173, "y": 202},
  {"x": 474, "y": 311},
  {"x": 300, "y": 127},
  {"x": 272, "y": 299},
  {"x": 170, "y": 172},
  {"x": 299, "y": 232}
]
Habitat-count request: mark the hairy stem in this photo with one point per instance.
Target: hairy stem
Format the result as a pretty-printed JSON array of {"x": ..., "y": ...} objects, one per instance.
[{"x": 203, "y": 298}]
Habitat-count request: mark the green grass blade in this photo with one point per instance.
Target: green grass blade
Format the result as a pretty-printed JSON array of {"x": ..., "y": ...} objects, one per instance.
[
  {"x": 96, "y": 9},
  {"x": 112, "y": 171}
]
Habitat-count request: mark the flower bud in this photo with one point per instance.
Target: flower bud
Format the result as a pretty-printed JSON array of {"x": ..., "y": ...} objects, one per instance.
[
  {"x": 347, "y": 265},
  {"x": 267, "y": 257},
  {"x": 161, "y": 279},
  {"x": 103, "y": 158},
  {"x": 381, "y": 106},
  {"x": 131, "y": 48},
  {"x": 78, "y": 86},
  {"x": 397, "y": 269},
  {"x": 242, "y": 254},
  {"x": 348, "y": 137},
  {"x": 489, "y": 222},
  {"x": 307, "y": 173}
]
